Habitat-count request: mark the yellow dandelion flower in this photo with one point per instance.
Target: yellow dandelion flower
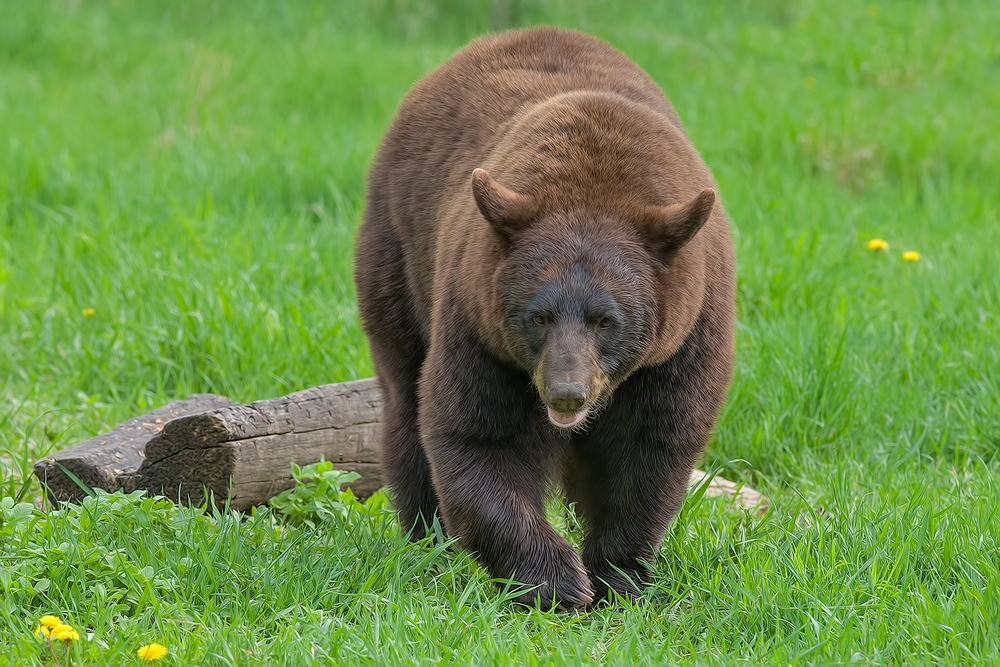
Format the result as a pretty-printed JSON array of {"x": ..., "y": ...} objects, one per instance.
[
  {"x": 911, "y": 256},
  {"x": 64, "y": 632},
  {"x": 809, "y": 82},
  {"x": 89, "y": 312},
  {"x": 152, "y": 652},
  {"x": 878, "y": 244},
  {"x": 50, "y": 621},
  {"x": 42, "y": 631}
]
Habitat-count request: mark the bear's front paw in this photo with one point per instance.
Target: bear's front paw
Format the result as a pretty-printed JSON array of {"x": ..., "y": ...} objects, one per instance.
[
  {"x": 626, "y": 582},
  {"x": 559, "y": 583}
]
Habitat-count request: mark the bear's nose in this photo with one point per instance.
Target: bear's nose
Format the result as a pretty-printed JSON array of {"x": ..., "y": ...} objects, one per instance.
[{"x": 567, "y": 397}]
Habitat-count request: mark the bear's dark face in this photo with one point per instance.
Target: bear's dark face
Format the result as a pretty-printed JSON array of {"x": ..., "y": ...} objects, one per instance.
[
  {"x": 577, "y": 289},
  {"x": 577, "y": 315}
]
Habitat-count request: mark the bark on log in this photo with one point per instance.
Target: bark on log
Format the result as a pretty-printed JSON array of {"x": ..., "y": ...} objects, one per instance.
[
  {"x": 242, "y": 453},
  {"x": 245, "y": 451},
  {"x": 110, "y": 461}
]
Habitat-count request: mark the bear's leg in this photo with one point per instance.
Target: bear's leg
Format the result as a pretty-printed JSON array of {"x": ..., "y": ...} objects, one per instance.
[
  {"x": 625, "y": 507},
  {"x": 404, "y": 464},
  {"x": 398, "y": 351},
  {"x": 628, "y": 473},
  {"x": 492, "y": 453}
]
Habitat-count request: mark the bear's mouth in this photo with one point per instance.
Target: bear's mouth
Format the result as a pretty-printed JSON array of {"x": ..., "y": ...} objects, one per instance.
[{"x": 567, "y": 420}]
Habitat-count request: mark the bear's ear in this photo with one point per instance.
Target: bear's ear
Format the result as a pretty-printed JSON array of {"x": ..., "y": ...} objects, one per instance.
[
  {"x": 507, "y": 211},
  {"x": 668, "y": 228}
]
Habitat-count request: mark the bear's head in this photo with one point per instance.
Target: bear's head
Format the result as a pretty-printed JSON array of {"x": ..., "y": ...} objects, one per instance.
[{"x": 579, "y": 289}]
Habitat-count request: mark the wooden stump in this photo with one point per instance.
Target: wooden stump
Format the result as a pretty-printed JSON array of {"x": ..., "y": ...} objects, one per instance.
[{"x": 243, "y": 453}]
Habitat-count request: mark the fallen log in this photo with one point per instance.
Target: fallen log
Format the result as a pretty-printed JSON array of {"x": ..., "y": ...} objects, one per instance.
[
  {"x": 245, "y": 451},
  {"x": 242, "y": 454},
  {"x": 111, "y": 460}
]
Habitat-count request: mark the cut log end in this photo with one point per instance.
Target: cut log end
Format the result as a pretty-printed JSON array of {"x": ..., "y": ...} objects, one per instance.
[{"x": 111, "y": 460}]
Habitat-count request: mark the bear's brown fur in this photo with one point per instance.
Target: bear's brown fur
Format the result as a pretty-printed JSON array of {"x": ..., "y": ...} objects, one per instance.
[{"x": 541, "y": 238}]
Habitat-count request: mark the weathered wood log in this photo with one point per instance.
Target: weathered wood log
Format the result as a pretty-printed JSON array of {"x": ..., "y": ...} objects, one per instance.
[
  {"x": 110, "y": 461},
  {"x": 242, "y": 453},
  {"x": 741, "y": 495}
]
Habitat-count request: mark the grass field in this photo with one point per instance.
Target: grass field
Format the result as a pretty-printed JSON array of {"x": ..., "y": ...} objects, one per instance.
[{"x": 179, "y": 187}]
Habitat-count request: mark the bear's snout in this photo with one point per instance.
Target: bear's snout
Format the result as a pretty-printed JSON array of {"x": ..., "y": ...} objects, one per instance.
[
  {"x": 567, "y": 397},
  {"x": 565, "y": 403},
  {"x": 569, "y": 379}
]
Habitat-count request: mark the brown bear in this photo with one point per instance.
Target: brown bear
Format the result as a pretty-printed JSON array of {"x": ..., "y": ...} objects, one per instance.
[{"x": 547, "y": 285}]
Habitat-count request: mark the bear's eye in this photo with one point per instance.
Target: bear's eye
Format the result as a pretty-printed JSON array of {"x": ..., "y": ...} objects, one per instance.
[
  {"x": 539, "y": 320},
  {"x": 605, "y": 323}
]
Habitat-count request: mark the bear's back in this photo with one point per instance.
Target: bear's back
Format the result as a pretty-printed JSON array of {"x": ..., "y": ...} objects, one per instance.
[{"x": 454, "y": 117}]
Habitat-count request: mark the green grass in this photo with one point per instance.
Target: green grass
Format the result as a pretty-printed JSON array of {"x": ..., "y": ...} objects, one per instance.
[{"x": 193, "y": 171}]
